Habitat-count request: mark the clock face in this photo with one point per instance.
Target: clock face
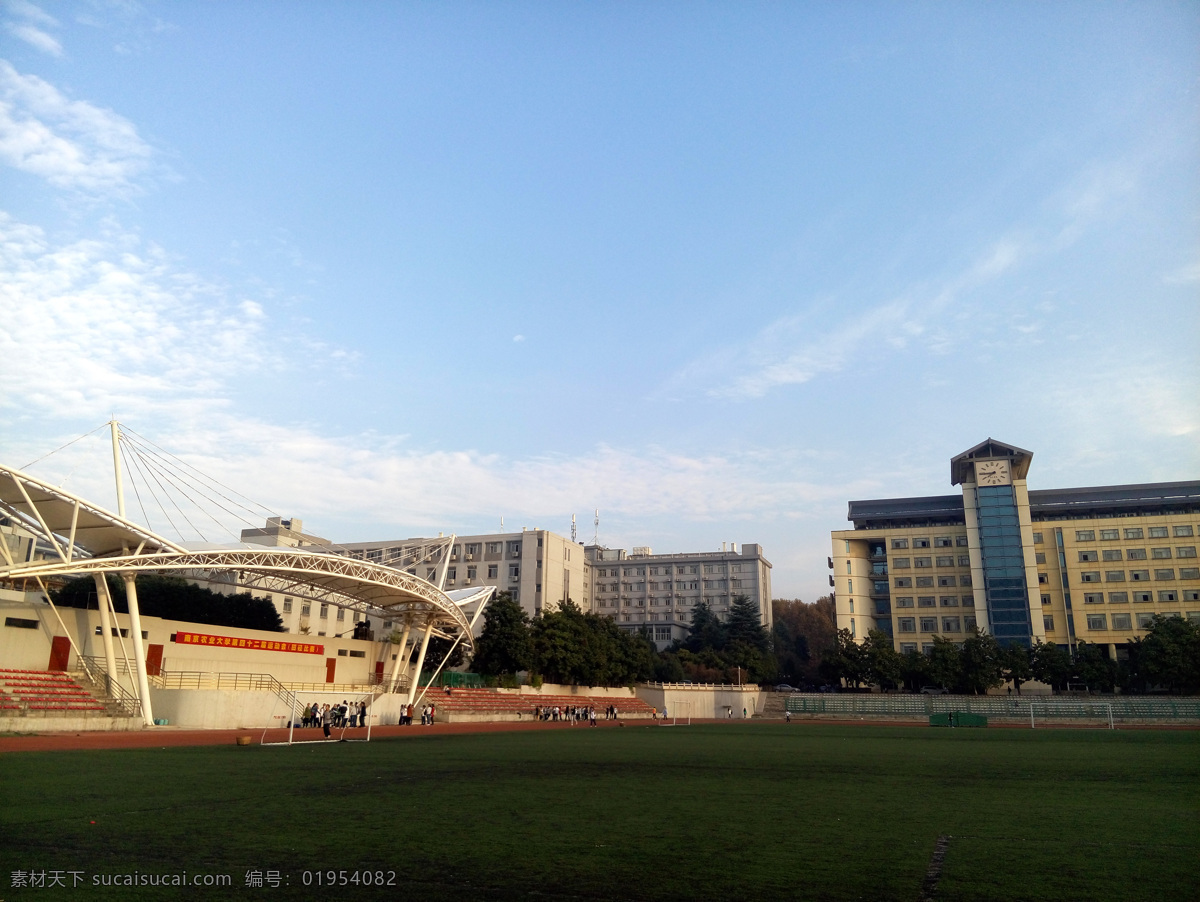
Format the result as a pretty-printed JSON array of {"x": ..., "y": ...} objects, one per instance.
[{"x": 992, "y": 472}]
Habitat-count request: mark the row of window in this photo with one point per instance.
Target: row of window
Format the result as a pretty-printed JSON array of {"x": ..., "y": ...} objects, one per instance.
[
  {"x": 681, "y": 569},
  {"x": 1130, "y": 532},
  {"x": 1125, "y": 622},
  {"x": 949, "y": 560},
  {"x": 930, "y": 624},
  {"x": 1118, "y": 576},
  {"x": 937, "y": 542},
  {"x": 929, "y": 601},
  {"x": 1139, "y": 597},
  {"x": 1137, "y": 554},
  {"x": 906, "y": 582}
]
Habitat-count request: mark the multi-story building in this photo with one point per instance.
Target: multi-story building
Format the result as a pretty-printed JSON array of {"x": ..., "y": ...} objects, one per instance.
[
  {"x": 1055, "y": 565},
  {"x": 659, "y": 591},
  {"x": 540, "y": 568}
]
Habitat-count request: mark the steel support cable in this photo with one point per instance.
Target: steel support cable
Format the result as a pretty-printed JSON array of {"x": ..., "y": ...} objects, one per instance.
[
  {"x": 67, "y": 445},
  {"x": 179, "y": 480},
  {"x": 137, "y": 494},
  {"x": 148, "y": 467},
  {"x": 204, "y": 476}
]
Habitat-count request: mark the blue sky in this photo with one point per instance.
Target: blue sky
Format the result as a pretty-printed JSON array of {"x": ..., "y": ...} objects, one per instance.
[{"x": 714, "y": 269}]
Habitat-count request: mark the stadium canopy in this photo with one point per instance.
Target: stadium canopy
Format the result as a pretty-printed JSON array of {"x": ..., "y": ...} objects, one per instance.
[{"x": 85, "y": 539}]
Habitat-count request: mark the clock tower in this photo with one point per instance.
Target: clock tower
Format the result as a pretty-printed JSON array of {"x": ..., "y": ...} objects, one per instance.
[{"x": 1004, "y": 576}]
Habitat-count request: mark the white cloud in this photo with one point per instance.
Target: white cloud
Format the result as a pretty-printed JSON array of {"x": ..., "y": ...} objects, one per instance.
[
  {"x": 70, "y": 143},
  {"x": 26, "y": 10},
  {"x": 35, "y": 37},
  {"x": 1184, "y": 275},
  {"x": 518, "y": 338}
]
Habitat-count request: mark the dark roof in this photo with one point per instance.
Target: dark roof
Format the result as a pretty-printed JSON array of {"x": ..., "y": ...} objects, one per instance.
[
  {"x": 1155, "y": 497},
  {"x": 1044, "y": 504}
]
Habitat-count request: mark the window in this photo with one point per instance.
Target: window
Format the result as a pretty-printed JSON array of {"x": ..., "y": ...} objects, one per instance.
[
  {"x": 904, "y": 602},
  {"x": 1043, "y": 579},
  {"x": 1189, "y": 572},
  {"x": 926, "y": 601},
  {"x": 900, "y": 563},
  {"x": 1037, "y": 538},
  {"x": 1133, "y": 533},
  {"x": 1109, "y": 535},
  {"x": 1085, "y": 535},
  {"x": 929, "y": 624},
  {"x": 924, "y": 581},
  {"x": 324, "y": 611},
  {"x": 949, "y": 601},
  {"x": 1093, "y": 598},
  {"x": 1045, "y": 599},
  {"x": 943, "y": 542},
  {"x": 1158, "y": 532},
  {"x": 1118, "y": 598},
  {"x": 1168, "y": 595},
  {"x": 1182, "y": 531},
  {"x": 1142, "y": 597},
  {"x": 1088, "y": 557},
  {"x": 965, "y": 579},
  {"x": 1164, "y": 574},
  {"x": 902, "y": 582},
  {"x": 923, "y": 561},
  {"x": 1048, "y": 623},
  {"x": 1185, "y": 551},
  {"x": 1160, "y": 554},
  {"x": 514, "y": 571},
  {"x": 964, "y": 560},
  {"x": 906, "y": 624},
  {"x": 1114, "y": 576},
  {"x": 960, "y": 541},
  {"x": 969, "y": 623},
  {"x": 287, "y": 606},
  {"x": 968, "y": 601},
  {"x": 472, "y": 571},
  {"x": 945, "y": 581},
  {"x": 1136, "y": 554},
  {"x": 1194, "y": 617},
  {"x": 1090, "y": 576},
  {"x": 1039, "y": 557},
  {"x": 493, "y": 571},
  {"x": 341, "y": 614},
  {"x": 951, "y": 625},
  {"x": 1112, "y": 554},
  {"x": 451, "y": 573},
  {"x": 946, "y": 561},
  {"x": 1122, "y": 621},
  {"x": 494, "y": 547},
  {"x": 920, "y": 543},
  {"x": 908, "y": 648},
  {"x": 899, "y": 543},
  {"x": 1139, "y": 575},
  {"x": 305, "y": 609},
  {"x": 1097, "y": 622},
  {"x": 1145, "y": 621}
]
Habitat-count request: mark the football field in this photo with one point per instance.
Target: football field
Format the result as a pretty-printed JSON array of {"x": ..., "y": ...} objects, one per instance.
[{"x": 720, "y": 811}]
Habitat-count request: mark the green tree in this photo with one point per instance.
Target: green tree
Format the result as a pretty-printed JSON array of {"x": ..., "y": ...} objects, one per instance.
[
  {"x": 1016, "y": 665},
  {"x": 745, "y": 624},
  {"x": 1050, "y": 664},
  {"x": 559, "y": 648},
  {"x": 1092, "y": 667},
  {"x": 174, "y": 598},
  {"x": 981, "y": 664},
  {"x": 944, "y": 666},
  {"x": 914, "y": 670},
  {"x": 800, "y": 633},
  {"x": 706, "y": 631},
  {"x": 504, "y": 645},
  {"x": 845, "y": 660},
  {"x": 1170, "y": 654},
  {"x": 884, "y": 665}
]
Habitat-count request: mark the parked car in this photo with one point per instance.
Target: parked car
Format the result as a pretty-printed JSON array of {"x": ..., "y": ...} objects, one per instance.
[
  {"x": 784, "y": 687},
  {"x": 933, "y": 690}
]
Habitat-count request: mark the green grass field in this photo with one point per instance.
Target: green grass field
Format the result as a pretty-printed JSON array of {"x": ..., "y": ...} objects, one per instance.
[{"x": 742, "y": 811}]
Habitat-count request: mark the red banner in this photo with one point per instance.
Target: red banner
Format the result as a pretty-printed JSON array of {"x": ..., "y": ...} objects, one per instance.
[{"x": 304, "y": 648}]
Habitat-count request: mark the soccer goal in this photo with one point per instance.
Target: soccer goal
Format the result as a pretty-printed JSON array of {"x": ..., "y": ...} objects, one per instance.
[
  {"x": 1098, "y": 714},
  {"x": 679, "y": 715}
]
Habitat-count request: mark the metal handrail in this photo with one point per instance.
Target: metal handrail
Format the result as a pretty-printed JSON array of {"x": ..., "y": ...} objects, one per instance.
[{"x": 93, "y": 670}]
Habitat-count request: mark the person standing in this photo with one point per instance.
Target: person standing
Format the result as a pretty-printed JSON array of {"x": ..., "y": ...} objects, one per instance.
[{"x": 326, "y": 718}]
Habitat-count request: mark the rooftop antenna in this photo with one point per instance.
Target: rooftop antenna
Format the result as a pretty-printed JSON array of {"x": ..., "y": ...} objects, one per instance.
[
  {"x": 502, "y": 524},
  {"x": 596, "y": 534},
  {"x": 573, "y": 539}
]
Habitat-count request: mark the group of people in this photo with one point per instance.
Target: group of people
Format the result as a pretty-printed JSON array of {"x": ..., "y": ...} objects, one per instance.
[
  {"x": 428, "y": 712},
  {"x": 573, "y": 714},
  {"x": 347, "y": 714}
]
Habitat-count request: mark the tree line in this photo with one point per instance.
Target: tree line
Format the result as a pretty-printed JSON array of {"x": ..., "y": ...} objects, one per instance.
[{"x": 1167, "y": 657}]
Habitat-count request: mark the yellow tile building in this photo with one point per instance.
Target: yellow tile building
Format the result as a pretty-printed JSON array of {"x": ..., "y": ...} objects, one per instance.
[{"x": 1056, "y": 565}]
